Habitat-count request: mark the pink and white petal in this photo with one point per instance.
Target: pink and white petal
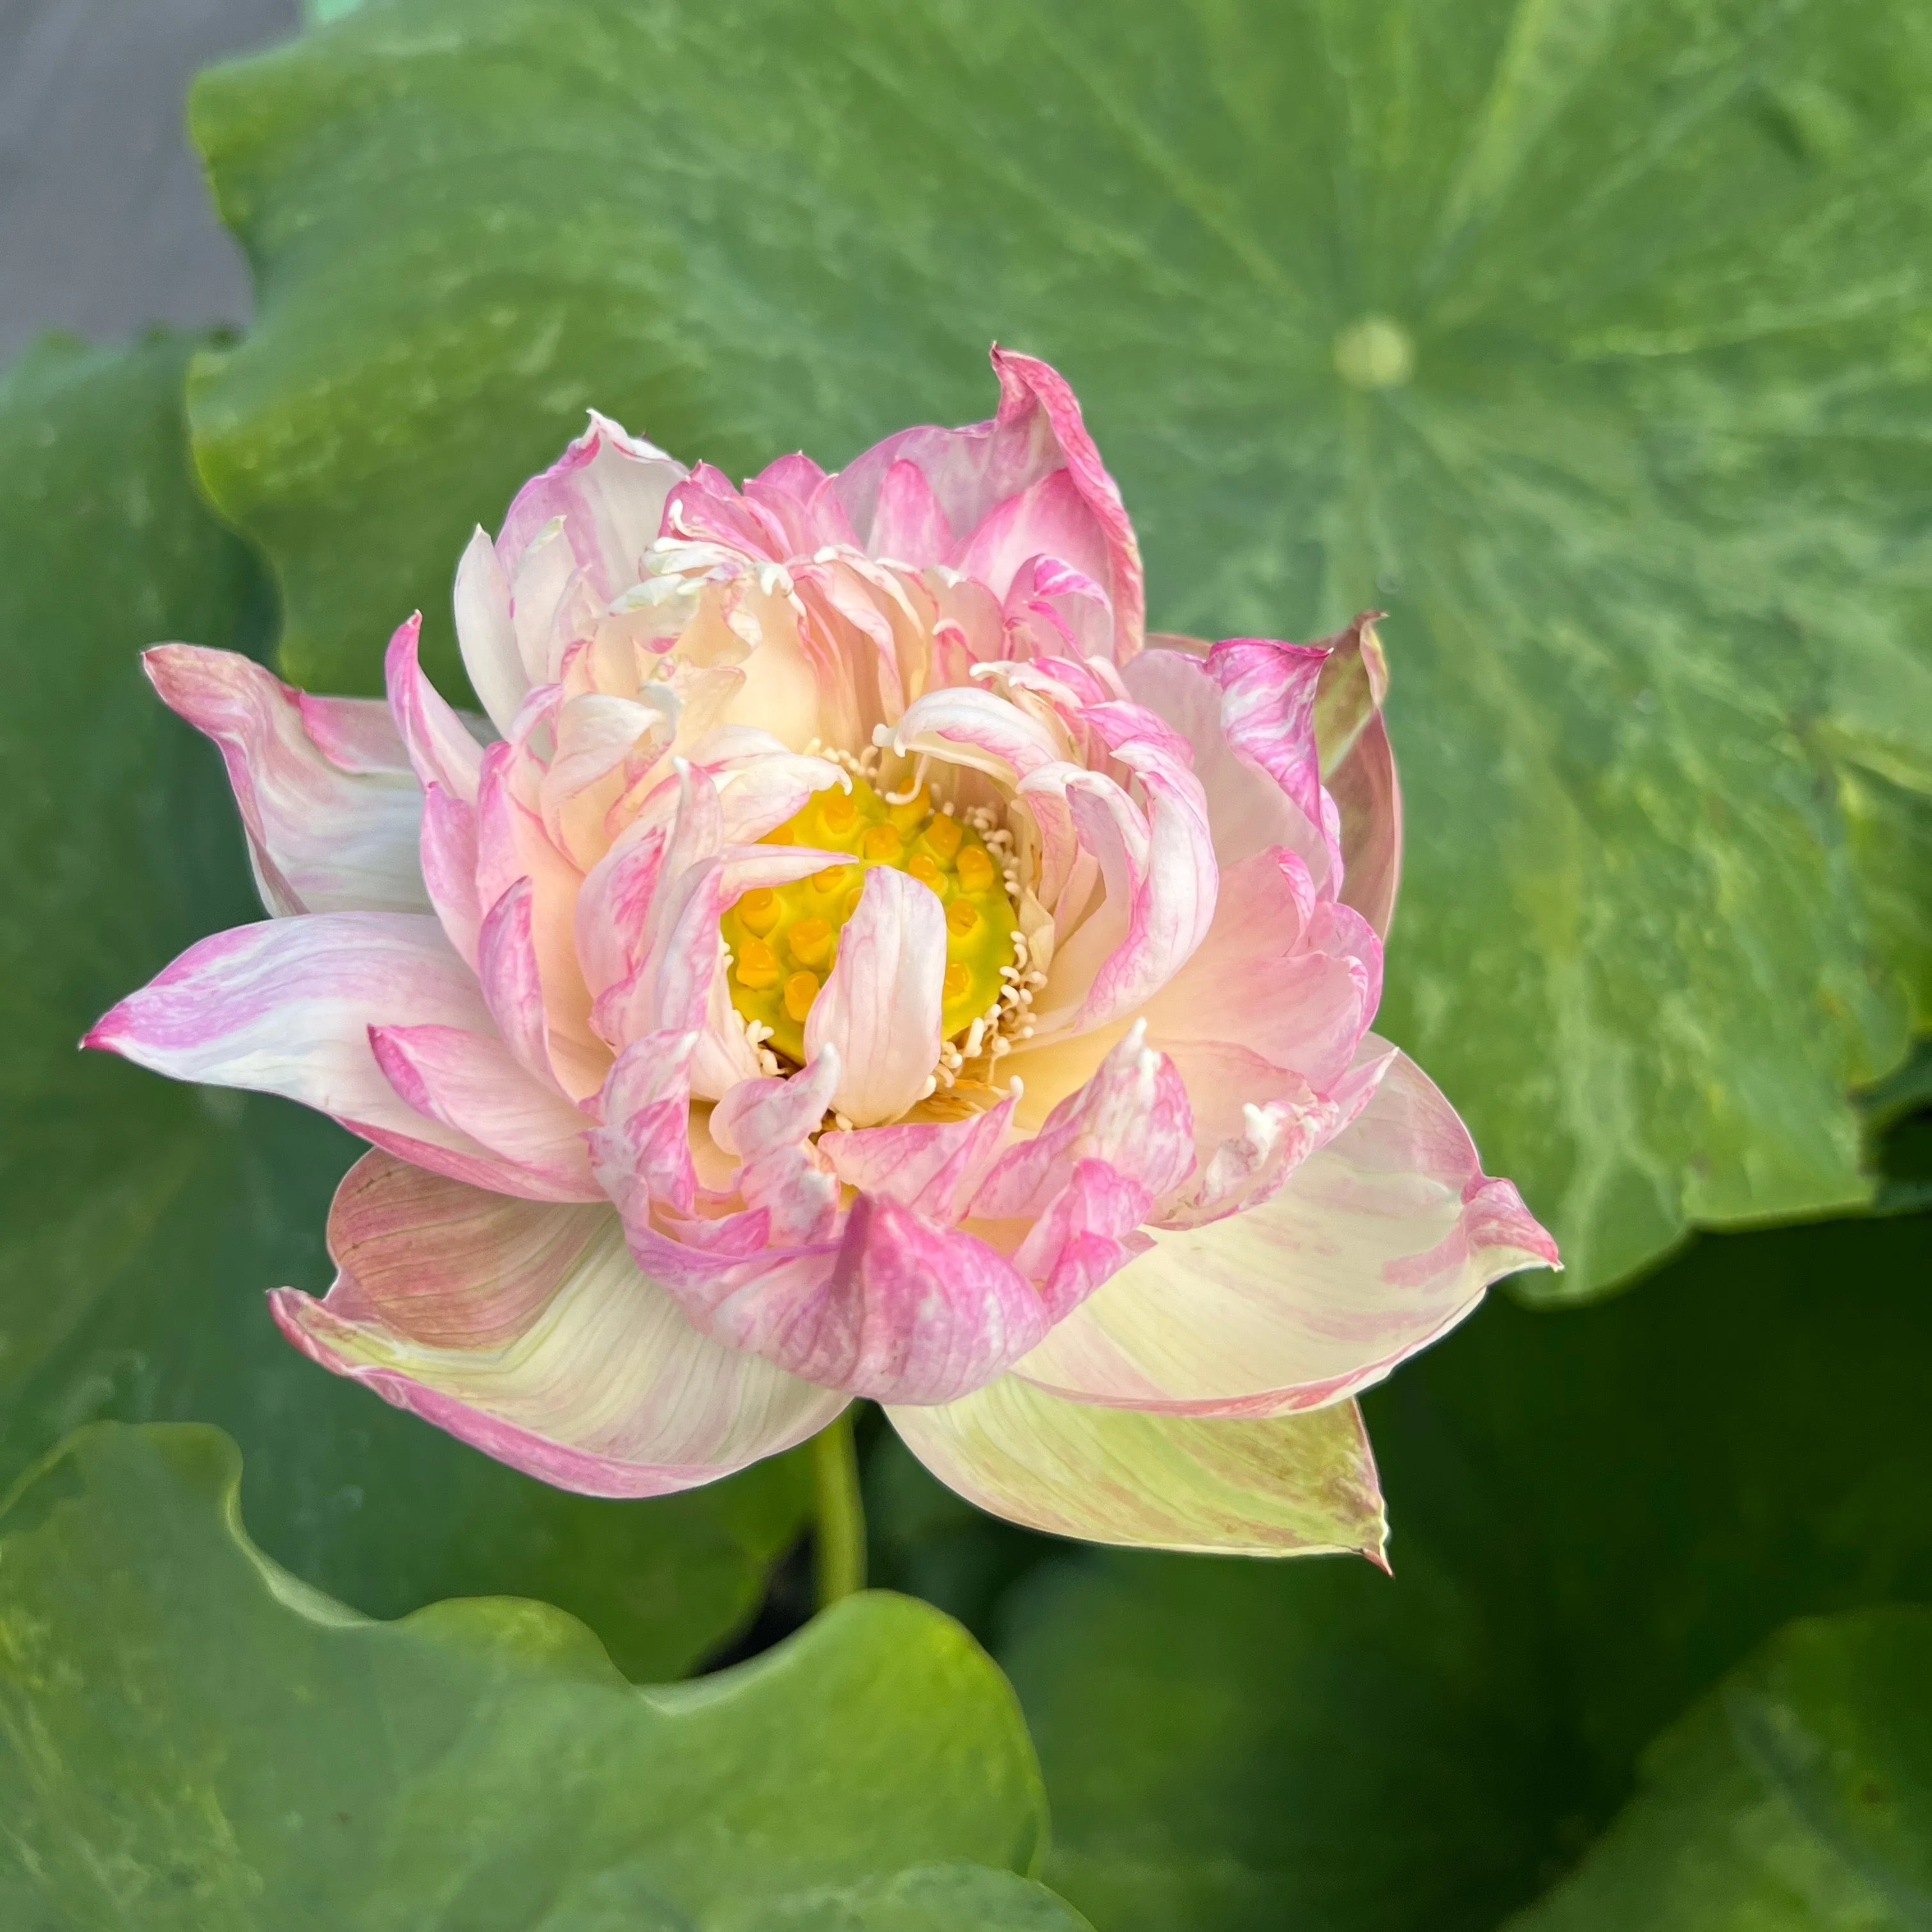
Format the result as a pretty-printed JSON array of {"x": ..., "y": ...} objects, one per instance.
[
  {"x": 473, "y": 1083},
  {"x": 528, "y": 1332},
  {"x": 440, "y": 747},
  {"x": 973, "y": 471},
  {"x": 1159, "y": 876},
  {"x": 1377, "y": 1244},
  {"x": 933, "y": 1167},
  {"x": 893, "y": 1308},
  {"x": 1289, "y": 1485},
  {"x": 1133, "y": 1114},
  {"x": 285, "y": 1006},
  {"x": 881, "y": 1008},
  {"x": 1358, "y": 768},
  {"x": 1369, "y": 799},
  {"x": 448, "y": 854},
  {"x": 507, "y": 969},
  {"x": 1247, "y": 811},
  {"x": 965, "y": 725},
  {"x": 486, "y": 632},
  {"x": 609, "y": 489},
  {"x": 321, "y": 838},
  {"x": 908, "y": 524},
  {"x": 1293, "y": 979}
]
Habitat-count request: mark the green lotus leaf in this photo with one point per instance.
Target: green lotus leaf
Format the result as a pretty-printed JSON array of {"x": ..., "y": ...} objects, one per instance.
[
  {"x": 140, "y": 1221},
  {"x": 1589, "y": 341},
  {"x": 192, "y": 1738},
  {"x": 1797, "y": 1797}
]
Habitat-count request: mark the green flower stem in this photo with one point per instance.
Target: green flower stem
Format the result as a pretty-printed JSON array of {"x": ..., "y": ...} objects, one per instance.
[{"x": 840, "y": 1538}]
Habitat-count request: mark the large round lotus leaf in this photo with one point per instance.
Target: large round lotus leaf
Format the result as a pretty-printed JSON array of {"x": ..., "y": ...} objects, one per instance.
[
  {"x": 192, "y": 1741},
  {"x": 1796, "y": 1798},
  {"x": 140, "y": 1221},
  {"x": 1589, "y": 339},
  {"x": 1595, "y": 1515}
]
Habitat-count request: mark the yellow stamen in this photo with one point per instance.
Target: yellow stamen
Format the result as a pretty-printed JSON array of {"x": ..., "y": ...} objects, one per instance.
[
  {"x": 757, "y": 966},
  {"x": 961, "y": 916},
  {"x": 923, "y": 868},
  {"x": 800, "y": 990},
  {"x": 943, "y": 836},
  {"x": 976, "y": 870},
  {"x": 758, "y": 910},
  {"x": 881, "y": 845},
  {"x": 957, "y": 983},
  {"x": 811, "y": 940}
]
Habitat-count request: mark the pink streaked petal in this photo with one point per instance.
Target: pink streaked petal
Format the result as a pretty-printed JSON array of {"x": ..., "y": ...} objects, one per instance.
[
  {"x": 1048, "y": 519},
  {"x": 965, "y": 725},
  {"x": 973, "y": 471},
  {"x": 506, "y": 966},
  {"x": 440, "y": 746},
  {"x": 641, "y": 1152},
  {"x": 895, "y": 1308},
  {"x": 1133, "y": 1114},
  {"x": 1268, "y": 692},
  {"x": 1377, "y": 1244},
  {"x": 1358, "y": 767},
  {"x": 486, "y": 634},
  {"x": 932, "y": 1167},
  {"x": 1293, "y": 978},
  {"x": 1160, "y": 875},
  {"x": 321, "y": 838},
  {"x": 609, "y": 489},
  {"x": 473, "y": 1083},
  {"x": 285, "y": 1006},
  {"x": 1288, "y": 1487},
  {"x": 795, "y": 493},
  {"x": 1247, "y": 812},
  {"x": 881, "y": 1008},
  {"x": 767, "y": 1124},
  {"x": 448, "y": 854},
  {"x": 908, "y": 525},
  {"x": 528, "y": 1332}
]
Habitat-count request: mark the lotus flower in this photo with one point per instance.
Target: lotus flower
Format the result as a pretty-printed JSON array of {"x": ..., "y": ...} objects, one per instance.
[{"x": 853, "y": 960}]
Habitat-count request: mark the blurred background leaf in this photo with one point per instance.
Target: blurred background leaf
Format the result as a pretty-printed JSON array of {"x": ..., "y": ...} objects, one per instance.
[
  {"x": 193, "y": 1740},
  {"x": 1798, "y": 1795},
  {"x": 1596, "y": 1515},
  {"x": 140, "y": 1221},
  {"x": 1590, "y": 340}
]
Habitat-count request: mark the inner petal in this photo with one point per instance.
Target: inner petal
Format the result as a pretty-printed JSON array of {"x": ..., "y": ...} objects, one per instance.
[{"x": 783, "y": 940}]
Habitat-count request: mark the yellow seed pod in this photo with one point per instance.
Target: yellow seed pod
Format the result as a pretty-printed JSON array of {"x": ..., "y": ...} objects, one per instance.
[{"x": 784, "y": 939}]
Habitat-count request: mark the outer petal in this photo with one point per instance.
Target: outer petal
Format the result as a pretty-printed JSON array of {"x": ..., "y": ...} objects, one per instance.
[
  {"x": 881, "y": 1007},
  {"x": 440, "y": 746},
  {"x": 326, "y": 833},
  {"x": 1248, "y": 812},
  {"x": 972, "y": 472},
  {"x": 286, "y": 1007},
  {"x": 1358, "y": 768},
  {"x": 473, "y": 1083},
  {"x": 1378, "y": 1242},
  {"x": 528, "y": 1332},
  {"x": 891, "y": 1306},
  {"x": 1289, "y": 1486}
]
